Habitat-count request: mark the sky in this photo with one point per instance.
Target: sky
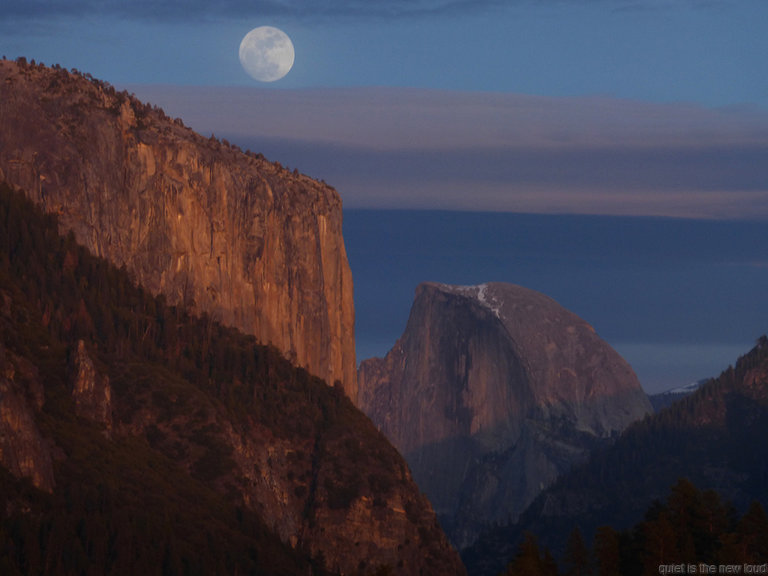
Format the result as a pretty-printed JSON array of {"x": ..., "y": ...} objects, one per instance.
[
  {"x": 642, "y": 107},
  {"x": 680, "y": 299},
  {"x": 703, "y": 51},
  {"x": 612, "y": 108}
]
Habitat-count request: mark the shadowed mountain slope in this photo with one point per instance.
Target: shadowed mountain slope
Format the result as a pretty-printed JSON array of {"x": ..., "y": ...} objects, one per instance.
[
  {"x": 714, "y": 437},
  {"x": 135, "y": 437}
]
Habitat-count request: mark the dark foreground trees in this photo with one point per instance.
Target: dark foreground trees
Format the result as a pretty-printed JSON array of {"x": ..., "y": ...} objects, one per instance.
[{"x": 690, "y": 528}]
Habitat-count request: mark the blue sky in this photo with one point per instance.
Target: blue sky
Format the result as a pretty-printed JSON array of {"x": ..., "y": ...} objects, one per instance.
[
  {"x": 703, "y": 51},
  {"x": 614, "y": 108}
]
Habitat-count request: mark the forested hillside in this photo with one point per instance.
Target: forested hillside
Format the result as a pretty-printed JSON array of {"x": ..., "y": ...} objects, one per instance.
[{"x": 208, "y": 453}]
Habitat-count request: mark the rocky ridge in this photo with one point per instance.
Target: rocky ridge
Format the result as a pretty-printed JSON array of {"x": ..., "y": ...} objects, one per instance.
[
  {"x": 90, "y": 389},
  {"x": 490, "y": 393},
  {"x": 228, "y": 233}
]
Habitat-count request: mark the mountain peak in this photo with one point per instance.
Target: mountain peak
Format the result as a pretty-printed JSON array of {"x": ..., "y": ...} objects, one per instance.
[
  {"x": 491, "y": 391},
  {"x": 478, "y": 292},
  {"x": 544, "y": 333}
]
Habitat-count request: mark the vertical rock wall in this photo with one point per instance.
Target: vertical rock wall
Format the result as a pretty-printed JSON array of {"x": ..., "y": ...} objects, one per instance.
[{"x": 231, "y": 234}]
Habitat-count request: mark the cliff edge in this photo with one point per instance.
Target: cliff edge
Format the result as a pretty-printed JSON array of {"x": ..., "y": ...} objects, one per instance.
[{"x": 229, "y": 233}]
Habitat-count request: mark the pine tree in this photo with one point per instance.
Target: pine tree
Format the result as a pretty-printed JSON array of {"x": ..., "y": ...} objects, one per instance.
[
  {"x": 529, "y": 560},
  {"x": 752, "y": 531},
  {"x": 606, "y": 552},
  {"x": 660, "y": 546},
  {"x": 577, "y": 556}
]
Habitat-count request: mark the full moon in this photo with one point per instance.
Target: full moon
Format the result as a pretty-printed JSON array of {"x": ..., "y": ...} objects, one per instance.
[{"x": 266, "y": 53}]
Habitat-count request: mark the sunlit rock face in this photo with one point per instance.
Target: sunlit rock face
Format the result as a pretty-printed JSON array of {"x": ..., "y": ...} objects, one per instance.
[
  {"x": 91, "y": 390},
  {"x": 239, "y": 238},
  {"x": 23, "y": 450},
  {"x": 490, "y": 393}
]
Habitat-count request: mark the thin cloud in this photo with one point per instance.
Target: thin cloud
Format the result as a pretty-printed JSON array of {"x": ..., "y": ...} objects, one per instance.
[
  {"x": 408, "y": 148},
  {"x": 414, "y": 119},
  {"x": 185, "y": 10}
]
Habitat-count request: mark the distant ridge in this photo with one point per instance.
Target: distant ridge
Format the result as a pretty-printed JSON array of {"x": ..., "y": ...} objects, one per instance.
[{"x": 664, "y": 399}]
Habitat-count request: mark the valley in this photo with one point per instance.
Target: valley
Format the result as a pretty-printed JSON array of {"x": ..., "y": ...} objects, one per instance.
[{"x": 180, "y": 390}]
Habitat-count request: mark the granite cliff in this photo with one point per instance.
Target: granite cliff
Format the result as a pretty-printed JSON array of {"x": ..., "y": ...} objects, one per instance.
[
  {"x": 225, "y": 232},
  {"x": 491, "y": 392}
]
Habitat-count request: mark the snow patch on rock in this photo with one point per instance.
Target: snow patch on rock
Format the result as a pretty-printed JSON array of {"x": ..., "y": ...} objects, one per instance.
[{"x": 478, "y": 292}]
